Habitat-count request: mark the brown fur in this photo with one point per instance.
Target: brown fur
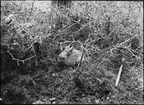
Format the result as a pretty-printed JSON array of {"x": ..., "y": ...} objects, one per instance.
[{"x": 70, "y": 56}]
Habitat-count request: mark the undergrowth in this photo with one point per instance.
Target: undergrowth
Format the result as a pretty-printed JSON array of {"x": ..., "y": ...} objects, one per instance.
[{"x": 110, "y": 32}]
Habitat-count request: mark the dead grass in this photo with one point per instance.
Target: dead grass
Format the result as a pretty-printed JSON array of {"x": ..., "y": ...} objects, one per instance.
[{"x": 108, "y": 31}]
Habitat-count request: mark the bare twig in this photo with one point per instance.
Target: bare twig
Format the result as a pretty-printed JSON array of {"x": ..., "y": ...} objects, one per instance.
[
  {"x": 18, "y": 60},
  {"x": 70, "y": 41},
  {"x": 31, "y": 10},
  {"x": 57, "y": 11},
  {"x": 98, "y": 60},
  {"x": 71, "y": 20},
  {"x": 21, "y": 5},
  {"x": 119, "y": 74},
  {"x": 77, "y": 30},
  {"x": 79, "y": 64},
  {"x": 119, "y": 45},
  {"x": 59, "y": 34},
  {"x": 81, "y": 57},
  {"x": 22, "y": 28},
  {"x": 83, "y": 26},
  {"x": 110, "y": 50}
]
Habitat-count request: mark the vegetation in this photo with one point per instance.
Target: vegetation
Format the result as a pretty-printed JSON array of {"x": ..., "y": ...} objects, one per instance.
[{"x": 110, "y": 32}]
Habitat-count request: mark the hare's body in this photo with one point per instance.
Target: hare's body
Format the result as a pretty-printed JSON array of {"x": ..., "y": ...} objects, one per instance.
[
  {"x": 74, "y": 58},
  {"x": 70, "y": 56}
]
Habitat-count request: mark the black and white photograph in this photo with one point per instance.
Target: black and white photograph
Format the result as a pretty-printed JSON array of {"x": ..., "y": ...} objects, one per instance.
[{"x": 71, "y": 52}]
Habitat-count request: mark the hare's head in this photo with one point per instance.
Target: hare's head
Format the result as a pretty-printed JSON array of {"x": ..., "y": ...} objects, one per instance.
[
  {"x": 67, "y": 51},
  {"x": 9, "y": 18}
]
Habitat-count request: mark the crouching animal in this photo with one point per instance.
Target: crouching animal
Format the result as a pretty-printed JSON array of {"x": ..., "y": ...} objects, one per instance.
[
  {"x": 8, "y": 19},
  {"x": 71, "y": 56}
]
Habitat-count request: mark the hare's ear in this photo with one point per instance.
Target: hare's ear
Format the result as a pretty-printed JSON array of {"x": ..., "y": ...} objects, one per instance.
[
  {"x": 67, "y": 47},
  {"x": 71, "y": 49}
]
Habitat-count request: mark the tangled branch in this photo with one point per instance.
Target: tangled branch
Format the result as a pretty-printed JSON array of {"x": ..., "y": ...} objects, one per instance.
[{"x": 18, "y": 60}]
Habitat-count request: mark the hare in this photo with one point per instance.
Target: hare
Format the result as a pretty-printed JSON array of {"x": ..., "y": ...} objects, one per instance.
[
  {"x": 70, "y": 56},
  {"x": 9, "y": 19}
]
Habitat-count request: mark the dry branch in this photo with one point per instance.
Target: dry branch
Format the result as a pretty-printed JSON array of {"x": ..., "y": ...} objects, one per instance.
[
  {"x": 118, "y": 76},
  {"x": 31, "y": 9},
  {"x": 18, "y": 60}
]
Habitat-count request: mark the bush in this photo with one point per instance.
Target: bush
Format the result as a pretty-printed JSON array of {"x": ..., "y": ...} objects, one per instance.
[{"x": 110, "y": 32}]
